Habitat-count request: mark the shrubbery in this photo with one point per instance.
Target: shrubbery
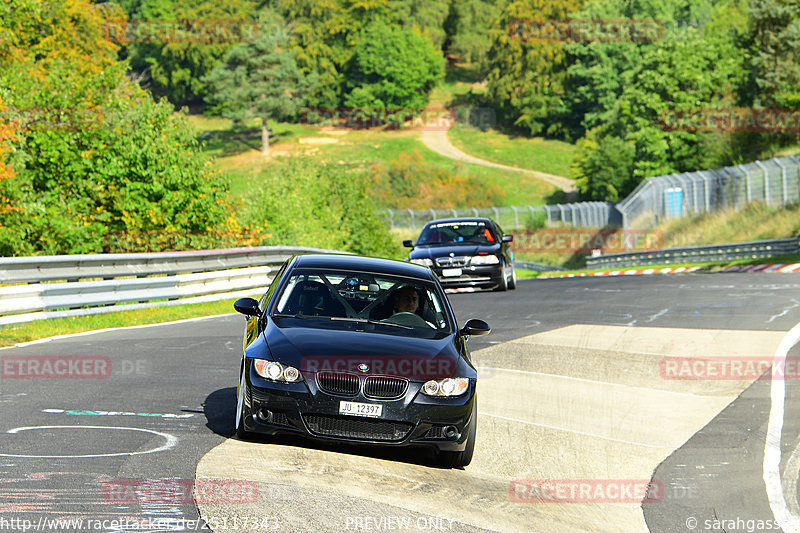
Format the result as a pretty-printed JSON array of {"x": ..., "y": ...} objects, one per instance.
[
  {"x": 411, "y": 183},
  {"x": 320, "y": 205},
  {"x": 93, "y": 155}
]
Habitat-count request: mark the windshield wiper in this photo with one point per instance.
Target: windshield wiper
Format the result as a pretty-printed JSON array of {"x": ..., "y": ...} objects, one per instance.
[
  {"x": 283, "y": 315},
  {"x": 370, "y": 321}
]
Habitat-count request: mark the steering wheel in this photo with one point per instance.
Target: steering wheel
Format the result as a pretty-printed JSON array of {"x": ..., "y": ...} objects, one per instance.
[{"x": 405, "y": 318}]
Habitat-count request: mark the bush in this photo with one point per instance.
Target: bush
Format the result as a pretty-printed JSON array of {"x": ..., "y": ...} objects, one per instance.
[
  {"x": 410, "y": 182},
  {"x": 320, "y": 205}
]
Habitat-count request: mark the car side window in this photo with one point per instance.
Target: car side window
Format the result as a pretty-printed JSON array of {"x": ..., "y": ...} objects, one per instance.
[{"x": 274, "y": 285}]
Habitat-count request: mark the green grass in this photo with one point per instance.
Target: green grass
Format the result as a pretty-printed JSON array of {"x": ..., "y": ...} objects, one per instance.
[
  {"x": 39, "y": 329},
  {"x": 237, "y": 154},
  {"x": 550, "y": 156},
  {"x": 756, "y": 222}
]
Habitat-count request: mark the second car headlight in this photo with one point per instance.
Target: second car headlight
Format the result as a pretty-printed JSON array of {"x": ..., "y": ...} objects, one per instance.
[
  {"x": 424, "y": 262},
  {"x": 276, "y": 371},
  {"x": 446, "y": 387},
  {"x": 485, "y": 260}
]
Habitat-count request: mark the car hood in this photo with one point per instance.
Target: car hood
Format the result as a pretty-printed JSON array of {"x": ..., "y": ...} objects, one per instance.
[
  {"x": 438, "y": 250},
  {"x": 313, "y": 349}
]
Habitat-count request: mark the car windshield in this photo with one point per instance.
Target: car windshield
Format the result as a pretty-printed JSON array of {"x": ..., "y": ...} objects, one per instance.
[
  {"x": 456, "y": 232},
  {"x": 391, "y": 301}
]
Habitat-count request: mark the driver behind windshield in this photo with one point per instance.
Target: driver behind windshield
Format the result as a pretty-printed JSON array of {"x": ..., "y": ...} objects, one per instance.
[{"x": 407, "y": 300}]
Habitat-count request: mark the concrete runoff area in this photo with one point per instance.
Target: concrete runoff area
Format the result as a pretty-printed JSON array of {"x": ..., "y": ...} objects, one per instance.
[{"x": 579, "y": 403}]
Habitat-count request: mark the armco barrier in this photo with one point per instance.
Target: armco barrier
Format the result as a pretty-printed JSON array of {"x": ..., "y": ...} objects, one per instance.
[
  {"x": 699, "y": 254},
  {"x": 166, "y": 278}
]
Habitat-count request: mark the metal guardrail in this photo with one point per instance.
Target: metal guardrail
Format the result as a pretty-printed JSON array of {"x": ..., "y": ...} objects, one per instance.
[
  {"x": 699, "y": 254},
  {"x": 526, "y": 265},
  {"x": 107, "y": 266},
  {"x": 141, "y": 280}
]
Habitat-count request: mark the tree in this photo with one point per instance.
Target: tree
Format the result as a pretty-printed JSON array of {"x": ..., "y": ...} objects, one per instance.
[
  {"x": 260, "y": 79},
  {"x": 774, "y": 35},
  {"x": 468, "y": 26},
  {"x": 176, "y": 65},
  {"x": 93, "y": 154},
  {"x": 525, "y": 75},
  {"x": 392, "y": 68}
]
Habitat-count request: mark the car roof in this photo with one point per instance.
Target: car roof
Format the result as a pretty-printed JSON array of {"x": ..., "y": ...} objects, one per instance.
[
  {"x": 362, "y": 263},
  {"x": 460, "y": 219}
]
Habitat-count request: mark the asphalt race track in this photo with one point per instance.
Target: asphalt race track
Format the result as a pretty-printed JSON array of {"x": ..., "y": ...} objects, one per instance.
[{"x": 593, "y": 393}]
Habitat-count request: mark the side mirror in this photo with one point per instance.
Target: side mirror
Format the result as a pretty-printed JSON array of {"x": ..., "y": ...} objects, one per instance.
[
  {"x": 475, "y": 327},
  {"x": 508, "y": 238},
  {"x": 407, "y": 243},
  {"x": 247, "y": 306}
]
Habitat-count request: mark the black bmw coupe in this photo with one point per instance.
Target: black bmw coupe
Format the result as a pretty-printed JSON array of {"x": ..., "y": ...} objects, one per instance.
[
  {"x": 359, "y": 349},
  {"x": 466, "y": 252}
]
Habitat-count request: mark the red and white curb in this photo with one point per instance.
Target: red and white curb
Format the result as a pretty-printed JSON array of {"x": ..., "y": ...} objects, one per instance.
[
  {"x": 635, "y": 272},
  {"x": 784, "y": 268}
]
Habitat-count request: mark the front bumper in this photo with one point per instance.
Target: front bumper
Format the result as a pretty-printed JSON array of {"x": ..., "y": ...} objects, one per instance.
[
  {"x": 470, "y": 276},
  {"x": 411, "y": 420}
]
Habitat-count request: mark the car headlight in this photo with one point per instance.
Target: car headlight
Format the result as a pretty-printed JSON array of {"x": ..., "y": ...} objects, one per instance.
[
  {"x": 276, "y": 371},
  {"x": 485, "y": 260},
  {"x": 446, "y": 387},
  {"x": 424, "y": 262}
]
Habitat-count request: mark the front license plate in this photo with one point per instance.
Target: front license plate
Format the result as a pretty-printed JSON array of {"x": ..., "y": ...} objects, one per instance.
[
  {"x": 372, "y": 410},
  {"x": 451, "y": 272}
]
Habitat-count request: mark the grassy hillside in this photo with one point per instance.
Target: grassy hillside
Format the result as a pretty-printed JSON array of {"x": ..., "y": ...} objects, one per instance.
[
  {"x": 237, "y": 153},
  {"x": 544, "y": 155},
  {"x": 754, "y": 223}
]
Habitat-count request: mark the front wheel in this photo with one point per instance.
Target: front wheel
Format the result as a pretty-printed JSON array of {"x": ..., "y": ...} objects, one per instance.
[
  {"x": 503, "y": 285},
  {"x": 512, "y": 284},
  {"x": 461, "y": 459},
  {"x": 241, "y": 392}
]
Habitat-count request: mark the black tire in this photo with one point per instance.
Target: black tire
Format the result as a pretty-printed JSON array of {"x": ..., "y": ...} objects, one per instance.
[
  {"x": 461, "y": 459},
  {"x": 512, "y": 284},
  {"x": 503, "y": 285},
  {"x": 241, "y": 393}
]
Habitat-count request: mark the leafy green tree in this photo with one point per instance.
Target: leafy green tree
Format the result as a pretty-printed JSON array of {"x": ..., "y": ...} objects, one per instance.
[
  {"x": 774, "y": 35},
  {"x": 94, "y": 155},
  {"x": 604, "y": 168},
  {"x": 261, "y": 79},
  {"x": 525, "y": 75},
  {"x": 468, "y": 27},
  {"x": 691, "y": 74},
  {"x": 392, "y": 68},
  {"x": 177, "y": 65},
  {"x": 325, "y": 36}
]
